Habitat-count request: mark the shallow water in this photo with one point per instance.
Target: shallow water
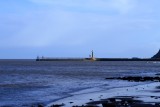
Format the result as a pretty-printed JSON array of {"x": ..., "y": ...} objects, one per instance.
[{"x": 29, "y": 82}]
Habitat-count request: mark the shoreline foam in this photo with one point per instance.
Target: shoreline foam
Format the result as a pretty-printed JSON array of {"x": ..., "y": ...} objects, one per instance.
[{"x": 143, "y": 93}]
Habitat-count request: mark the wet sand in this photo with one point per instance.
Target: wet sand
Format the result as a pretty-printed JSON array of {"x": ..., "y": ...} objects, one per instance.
[{"x": 145, "y": 95}]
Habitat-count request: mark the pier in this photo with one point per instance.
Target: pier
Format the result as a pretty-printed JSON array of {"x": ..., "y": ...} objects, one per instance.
[{"x": 91, "y": 57}]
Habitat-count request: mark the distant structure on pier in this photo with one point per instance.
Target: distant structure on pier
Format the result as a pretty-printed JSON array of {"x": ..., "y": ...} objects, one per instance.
[{"x": 92, "y": 56}]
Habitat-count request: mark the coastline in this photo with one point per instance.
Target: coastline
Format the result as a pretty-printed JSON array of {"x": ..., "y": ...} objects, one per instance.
[{"x": 145, "y": 93}]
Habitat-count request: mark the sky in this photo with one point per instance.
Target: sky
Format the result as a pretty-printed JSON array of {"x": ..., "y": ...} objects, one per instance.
[{"x": 72, "y": 28}]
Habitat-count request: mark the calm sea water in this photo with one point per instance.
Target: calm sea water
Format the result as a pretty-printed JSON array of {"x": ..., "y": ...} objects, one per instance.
[{"x": 24, "y": 82}]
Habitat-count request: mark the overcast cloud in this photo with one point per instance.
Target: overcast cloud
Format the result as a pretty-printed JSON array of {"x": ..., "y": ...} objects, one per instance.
[{"x": 113, "y": 28}]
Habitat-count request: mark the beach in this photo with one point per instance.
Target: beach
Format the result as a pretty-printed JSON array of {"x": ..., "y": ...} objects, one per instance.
[{"x": 144, "y": 95}]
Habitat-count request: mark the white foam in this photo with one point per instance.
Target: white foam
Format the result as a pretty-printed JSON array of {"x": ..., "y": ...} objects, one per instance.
[{"x": 143, "y": 91}]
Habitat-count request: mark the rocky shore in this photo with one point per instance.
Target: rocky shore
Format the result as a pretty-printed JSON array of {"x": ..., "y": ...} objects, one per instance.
[
  {"x": 146, "y": 95},
  {"x": 137, "y": 78}
]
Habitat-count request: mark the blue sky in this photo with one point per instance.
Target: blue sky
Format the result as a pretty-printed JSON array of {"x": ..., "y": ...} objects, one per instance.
[{"x": 72, "y": 28}]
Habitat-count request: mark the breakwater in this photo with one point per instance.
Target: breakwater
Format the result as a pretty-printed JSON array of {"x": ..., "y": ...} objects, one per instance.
[
  {"x": 61, "y": 59},
  {"x": 156, "y": 57},
  {"x": 96, "y": 59}
]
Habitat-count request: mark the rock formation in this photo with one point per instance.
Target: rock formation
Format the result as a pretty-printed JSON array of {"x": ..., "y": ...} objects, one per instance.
[{"x": 156, "y": 56}]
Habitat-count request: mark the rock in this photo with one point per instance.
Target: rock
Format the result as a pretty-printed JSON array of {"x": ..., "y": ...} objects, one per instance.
[
  {"x": 138, "y": 79},
  {"x": 156, "y": 56}
]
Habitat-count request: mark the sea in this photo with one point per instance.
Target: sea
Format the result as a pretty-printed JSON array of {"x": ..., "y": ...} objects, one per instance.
[{"x": 29, "y": 82}]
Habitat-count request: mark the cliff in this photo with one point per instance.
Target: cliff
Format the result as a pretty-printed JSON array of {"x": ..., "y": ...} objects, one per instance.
[{"x": 156, "y": 56}]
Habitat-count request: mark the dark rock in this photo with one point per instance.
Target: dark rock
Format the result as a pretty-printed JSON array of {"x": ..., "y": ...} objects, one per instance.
[
  {"x": 138, "y": 78},
  {"x": 109, "y": 105},
  {"x": 156, "y": 56},
  {"x": 40, "y": 105},
  {"x": 86, "y": 106},
  {"x": 157, "y": 104},
  {"x": 123, "y": 101},
  {"x": 58, "y": 105}
]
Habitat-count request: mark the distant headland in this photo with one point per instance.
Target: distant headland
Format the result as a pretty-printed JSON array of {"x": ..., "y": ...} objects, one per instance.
[{"x": 91, "y": 57}]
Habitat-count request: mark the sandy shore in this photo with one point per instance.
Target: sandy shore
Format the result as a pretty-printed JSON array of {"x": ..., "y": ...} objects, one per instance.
[{"x": 146, "y": 95}]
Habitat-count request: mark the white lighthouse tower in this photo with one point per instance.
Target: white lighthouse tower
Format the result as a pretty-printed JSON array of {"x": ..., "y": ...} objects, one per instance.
[{"x": 92, "y": 56}]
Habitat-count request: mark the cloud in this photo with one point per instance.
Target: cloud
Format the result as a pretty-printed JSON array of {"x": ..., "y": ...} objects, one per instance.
[
  {"x": 59, "y": 27},
  {"x": 121, "y": 6},
  {"x": 86, "y": 24},
  {"x": 41, "y": 29}
]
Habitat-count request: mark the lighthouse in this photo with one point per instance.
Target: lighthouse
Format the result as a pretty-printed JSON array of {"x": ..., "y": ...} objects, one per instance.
[{"x": 92, "y": 56}]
